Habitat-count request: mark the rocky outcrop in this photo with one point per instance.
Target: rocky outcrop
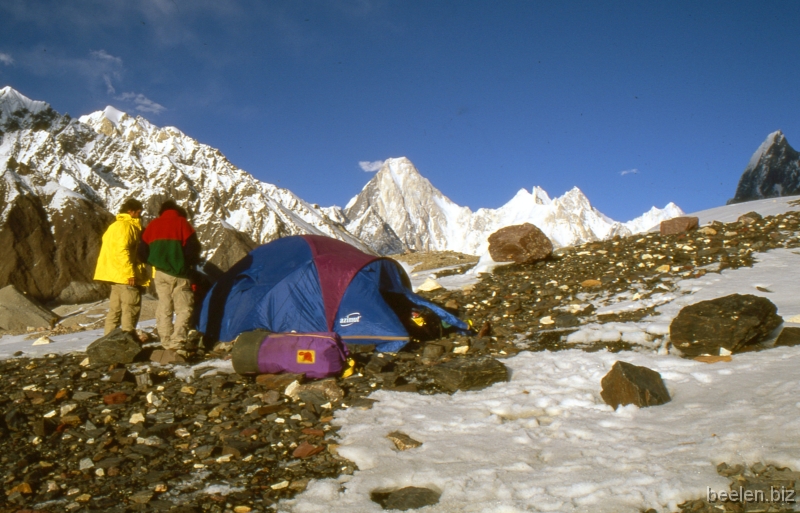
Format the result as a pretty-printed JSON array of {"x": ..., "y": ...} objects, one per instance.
[
  {"x": 118, "y": 347},
  {"x": 774, "y": 170},
  {"x": 729, "y": 323},
  {"x": 521, "y": 243},
  {"x": 19, "y": 313}
]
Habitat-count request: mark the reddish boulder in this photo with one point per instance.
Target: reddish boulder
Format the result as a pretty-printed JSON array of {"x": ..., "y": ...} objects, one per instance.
[
  {"x": 521, "y": 243},
  {"x": 678, "y": 225}
]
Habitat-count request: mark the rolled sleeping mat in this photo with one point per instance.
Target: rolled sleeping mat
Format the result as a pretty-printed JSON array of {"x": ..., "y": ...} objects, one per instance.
[
  {"x": 317, "y": 355},
  {"x": 244, "y": 354}
]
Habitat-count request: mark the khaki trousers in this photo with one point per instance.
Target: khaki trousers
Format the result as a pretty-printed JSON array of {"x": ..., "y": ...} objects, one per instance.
[
  {"x": 125, "y": 305},
  {"x": 174, "y": 296}
]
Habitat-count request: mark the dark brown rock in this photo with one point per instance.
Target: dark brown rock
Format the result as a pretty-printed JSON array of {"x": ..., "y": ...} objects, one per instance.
[
  {"x": 402, "y": 441},
  {"x": 790, "y": 336},
  {"x": 469, "y": 373},
  {"x": 731, "y": 322},
  {"x": 632, "y": 384},
  {"x": 522, "y": 243},
  {"x": 404, "y": 499},
  {"x": 319, "y": 392},
  {"x": 115, "y": 398},
  {"x": 278, "y": 382},
  {"x": 166, "y": 356},
  {"x": 432, "y": 352},
  {"x": 116, "y": 347},
  {"x": 306, "y": 450},
  {"x": 678, "y": 225}
]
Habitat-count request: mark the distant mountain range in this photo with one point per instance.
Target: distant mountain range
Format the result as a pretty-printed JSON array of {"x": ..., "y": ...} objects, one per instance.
[
  {"x": 400, "y": 210},
  {"x": 63, "y": 178}
]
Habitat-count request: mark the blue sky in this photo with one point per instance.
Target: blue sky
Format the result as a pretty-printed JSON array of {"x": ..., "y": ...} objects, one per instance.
[{"x": 636, "y": 103}]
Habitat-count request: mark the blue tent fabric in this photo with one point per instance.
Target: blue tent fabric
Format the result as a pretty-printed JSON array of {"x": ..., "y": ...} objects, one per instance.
[{"x": 277, "y": 287}]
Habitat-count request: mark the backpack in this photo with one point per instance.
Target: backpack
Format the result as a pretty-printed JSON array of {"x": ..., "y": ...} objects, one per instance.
[{"x": 317, "y": 355}]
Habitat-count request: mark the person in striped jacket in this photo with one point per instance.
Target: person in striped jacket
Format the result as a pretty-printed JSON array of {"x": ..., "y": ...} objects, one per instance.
[{"x": 170, "y": 245}]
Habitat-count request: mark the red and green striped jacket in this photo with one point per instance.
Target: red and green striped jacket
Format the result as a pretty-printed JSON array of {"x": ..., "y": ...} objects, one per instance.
[{"x": 170, "y": 244}]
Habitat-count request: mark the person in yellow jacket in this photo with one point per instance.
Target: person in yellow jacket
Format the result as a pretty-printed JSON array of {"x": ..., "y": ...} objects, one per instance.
[{"x": 118, "y": 265}]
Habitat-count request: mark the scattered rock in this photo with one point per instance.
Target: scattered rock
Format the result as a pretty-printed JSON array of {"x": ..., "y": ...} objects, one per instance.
[
  {"x": 429, "y": 285},
  {"x": 402, "y": 441},
  {"x": 632, "y": 384},
  {"x": 166, "y": 357},
  {"x": 432, "y": 352},
  {"x": 306, "y": 450},
  {"x": 404, "y": 499},
  {"x": 318, "y": 392},
  {"x": 790, "y": 336},
  {"x": 713, "y": 359},
  {"x": 522, "y": 243},
  {"x": 42, "y": 341},
  {"x": 732, "y": 323},
  {"x": 749, "y": 218},
  {"x": 116, "y": 347},
  {"x": 278, "y": 381},
  {"x": 469, "y": 373}
]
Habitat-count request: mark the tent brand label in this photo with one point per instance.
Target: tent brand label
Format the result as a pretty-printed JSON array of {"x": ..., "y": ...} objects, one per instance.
[
  {"x": 307, "y": 356},
  {"x": 350, "y": 319}
]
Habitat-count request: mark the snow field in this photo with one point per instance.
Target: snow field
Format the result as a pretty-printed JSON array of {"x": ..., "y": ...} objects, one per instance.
[{"x": 545, "y": 441}]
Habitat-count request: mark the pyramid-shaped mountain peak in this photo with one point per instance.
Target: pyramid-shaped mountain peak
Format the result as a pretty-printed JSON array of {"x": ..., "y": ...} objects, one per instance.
[{"x": 773, "y": 170}]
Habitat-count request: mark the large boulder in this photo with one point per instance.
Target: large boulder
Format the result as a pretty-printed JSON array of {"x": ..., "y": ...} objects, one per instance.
[
  {"x": 731, "y": 323},
  {"x": 118, "y": 347},
  {"x": 678, "y": 225},
  {"x": 627, "y": 384},
  {"x": 520, "y": 243},
  {"x": 19, "y": 313}
]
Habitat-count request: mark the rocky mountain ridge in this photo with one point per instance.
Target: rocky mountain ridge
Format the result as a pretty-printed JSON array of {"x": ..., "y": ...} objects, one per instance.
[{"x": 62, "y": 178}]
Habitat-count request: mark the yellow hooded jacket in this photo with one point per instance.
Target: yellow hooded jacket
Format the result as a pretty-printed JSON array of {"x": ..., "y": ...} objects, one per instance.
[{"x": 117, "y": 260}]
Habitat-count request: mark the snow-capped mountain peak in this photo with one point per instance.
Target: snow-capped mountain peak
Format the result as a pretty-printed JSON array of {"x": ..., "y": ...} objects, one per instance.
[
  {"x": 772, "y": 139},
  {"x": 11, "y": 102},
  {"x": 399, "y": 209}
]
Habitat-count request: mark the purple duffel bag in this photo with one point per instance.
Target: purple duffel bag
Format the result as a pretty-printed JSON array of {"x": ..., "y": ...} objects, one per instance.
[{"x": 317, "y": 355}]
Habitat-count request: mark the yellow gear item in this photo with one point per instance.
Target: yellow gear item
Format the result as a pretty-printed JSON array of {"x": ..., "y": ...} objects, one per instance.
[{"x": 351, "y": 367}]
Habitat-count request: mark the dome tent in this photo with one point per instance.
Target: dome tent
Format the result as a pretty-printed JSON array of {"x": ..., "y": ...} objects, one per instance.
[{"x": 312, "y": 283}]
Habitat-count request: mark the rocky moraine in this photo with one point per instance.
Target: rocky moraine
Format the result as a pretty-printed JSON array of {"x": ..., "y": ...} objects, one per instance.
[{"x": 149, "y": 437}]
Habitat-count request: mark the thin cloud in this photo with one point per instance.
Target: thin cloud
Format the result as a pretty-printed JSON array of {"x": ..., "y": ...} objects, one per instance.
[
  {"x": 370, "y": 167},
  {"x": 142, "y": 103},
  {"x": 109, "y": 67},
  {"x": 6, "y": 59},
  {"x": 629, "y": 172}
]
